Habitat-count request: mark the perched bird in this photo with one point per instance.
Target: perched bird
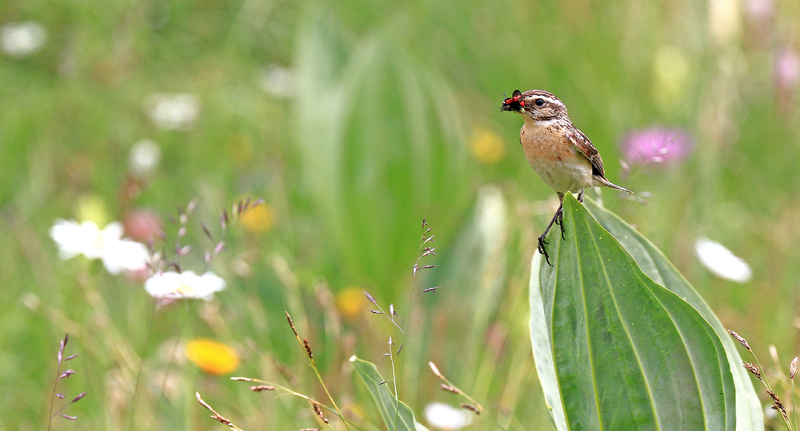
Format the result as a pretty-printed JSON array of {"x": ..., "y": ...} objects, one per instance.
[{"x": 563, "y": 157}]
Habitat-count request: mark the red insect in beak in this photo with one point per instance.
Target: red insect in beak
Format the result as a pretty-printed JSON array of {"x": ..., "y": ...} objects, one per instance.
[{"x": 513, "y": 103}]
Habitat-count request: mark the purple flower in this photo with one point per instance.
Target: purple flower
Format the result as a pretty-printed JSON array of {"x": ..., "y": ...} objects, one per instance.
[{"x": 657, "y": 145}]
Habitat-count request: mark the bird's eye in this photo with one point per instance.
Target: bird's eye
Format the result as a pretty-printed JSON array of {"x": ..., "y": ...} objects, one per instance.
[{"x": 539, "y": 102}]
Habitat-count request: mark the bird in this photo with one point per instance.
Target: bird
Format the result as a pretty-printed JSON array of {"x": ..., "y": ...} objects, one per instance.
[{"x": 563, "y": 157}]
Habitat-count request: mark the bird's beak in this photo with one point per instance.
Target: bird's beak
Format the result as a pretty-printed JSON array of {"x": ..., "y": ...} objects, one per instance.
[{"x": 513, "y": 103}]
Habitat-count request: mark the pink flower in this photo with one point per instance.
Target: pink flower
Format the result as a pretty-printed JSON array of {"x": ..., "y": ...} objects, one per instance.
[
  {"x": 657, "y": 145},
  {"x": 759, "y": 10},
  {"x": 787, "y": 69},
  {"x": 143, "y": 225}
]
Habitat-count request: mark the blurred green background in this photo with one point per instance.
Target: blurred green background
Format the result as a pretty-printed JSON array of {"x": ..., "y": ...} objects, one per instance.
[{"x": 354, "y": 121}]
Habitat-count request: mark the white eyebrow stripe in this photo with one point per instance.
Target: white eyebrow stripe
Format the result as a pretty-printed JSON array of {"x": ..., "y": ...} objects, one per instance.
[
  {"x": 548, "y": 99},
  {"x": 554, "y": 101}
]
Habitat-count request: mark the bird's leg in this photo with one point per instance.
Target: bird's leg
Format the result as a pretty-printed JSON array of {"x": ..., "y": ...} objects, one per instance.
[
  {"x": 560, "y": 214},
  {"x": 557, "y": 219},
  {"x": 580, "y": 196}
]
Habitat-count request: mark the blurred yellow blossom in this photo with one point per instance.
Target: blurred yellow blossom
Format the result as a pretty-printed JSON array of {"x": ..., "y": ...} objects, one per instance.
[
  {"x": 91, "y": 207},
  {"x": 212, "y": 356},
  {"x": 257, "y": 219},
  {"x": 487, "y": 147},
  {"x": 671, "y": 71},
  {"x": 350, "y": 302}
]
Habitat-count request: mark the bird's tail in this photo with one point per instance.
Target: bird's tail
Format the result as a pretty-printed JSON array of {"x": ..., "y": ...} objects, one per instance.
[{"x": 609, "y": 184}]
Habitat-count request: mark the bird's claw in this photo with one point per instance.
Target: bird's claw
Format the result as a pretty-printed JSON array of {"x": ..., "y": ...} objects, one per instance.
[
  {"x": 558, "y": 219},
  {"x": 543, "y": 250}
]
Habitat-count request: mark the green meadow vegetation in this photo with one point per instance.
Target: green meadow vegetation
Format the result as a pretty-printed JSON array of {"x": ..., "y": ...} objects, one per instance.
[{"x": 358, "y": 130}]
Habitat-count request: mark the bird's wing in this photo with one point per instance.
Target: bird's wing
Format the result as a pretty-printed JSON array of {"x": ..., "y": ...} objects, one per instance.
[{"x": 585, "y": 146}]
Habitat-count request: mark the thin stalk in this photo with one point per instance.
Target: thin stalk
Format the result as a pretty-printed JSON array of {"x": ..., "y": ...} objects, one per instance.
[
  {"x": 453, "y": 388},
  {"x": 53, "y": 396},
  {"x": 389, "y": 315},
  {"x": 181, "y": 328},
  {"x": 794, "y": 414},
  {"x": 763, "y": 379},
  {"x": 394, "y": 383},
  {"x": 325, "y": 387},
  {"x": 307, "y": 348},
  {"x": 150, "y": 326},
  {"x": 296, "y": 394},
  {"x": 216, "y": 416}
]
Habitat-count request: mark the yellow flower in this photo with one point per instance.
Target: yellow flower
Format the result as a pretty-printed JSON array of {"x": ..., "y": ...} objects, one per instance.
[
  {"x": 257, "y": 219},
  {"x": 350, "y": 302},
  {"x": 91, "y": 207},
  {"x": 211, "y": 356},
  {"x": 487, "y": 147},
  {"x": 672, "y": 71}
]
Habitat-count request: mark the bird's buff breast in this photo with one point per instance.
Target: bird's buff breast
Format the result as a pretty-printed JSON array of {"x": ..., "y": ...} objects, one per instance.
[{"x": 557, "y": 162}]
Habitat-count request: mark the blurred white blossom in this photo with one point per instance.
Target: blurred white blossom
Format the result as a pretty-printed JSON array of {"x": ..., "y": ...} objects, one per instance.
[
  {"x": 22, "y": 38},
  {"x": 173, "y": 111},
  {"x": 721, "y": 261},
  {"x": 186, "y": 284},
  {"x": 724, "y": 20},
  {"x": 445, "y": 417},
  {"x": 144, "y": 157},
  {"x": 88, "y": 239},
  {"x": 277, "y": 81}
]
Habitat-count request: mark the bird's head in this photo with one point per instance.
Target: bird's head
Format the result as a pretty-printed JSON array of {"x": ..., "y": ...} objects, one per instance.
[{"x": 536, "y": 105}]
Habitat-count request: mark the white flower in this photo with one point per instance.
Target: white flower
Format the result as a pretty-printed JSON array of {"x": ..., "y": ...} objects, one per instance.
[
  {"x": 173, "y": 111},
  {"x": 73, "y": 238},
  {"x": 86, "y": 238},
  {"x": 445, "y": 417},
  {"x": 721, "y": 261},
  {"x": 724, "y": 18},
  {"x": 144, "y": 157},
  {"x": 125, "y": 255},
  {"x": 186, "y": 284},
  {"x": 22, "y": 38},
  {"x": 277, "y": 81}
]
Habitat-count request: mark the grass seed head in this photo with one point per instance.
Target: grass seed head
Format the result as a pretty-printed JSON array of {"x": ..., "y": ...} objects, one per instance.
[
  {"x": 740, "y": 339},
  {"x": 753, "y": 369}
]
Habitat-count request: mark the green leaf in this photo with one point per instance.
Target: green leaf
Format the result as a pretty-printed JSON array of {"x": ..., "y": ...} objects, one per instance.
[
  {"x": 543, "y": 350},
  {"x": 749, "y": 412},
  {"x": 625, "y": 353},
  {"x": 377, "y": 147},
  {"x": 396, "y": 414}
]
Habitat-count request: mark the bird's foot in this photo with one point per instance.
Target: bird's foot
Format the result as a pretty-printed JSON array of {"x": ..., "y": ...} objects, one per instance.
[
  {"x": 558, "y": 219},
  {"x": 543, "y": 250}
]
